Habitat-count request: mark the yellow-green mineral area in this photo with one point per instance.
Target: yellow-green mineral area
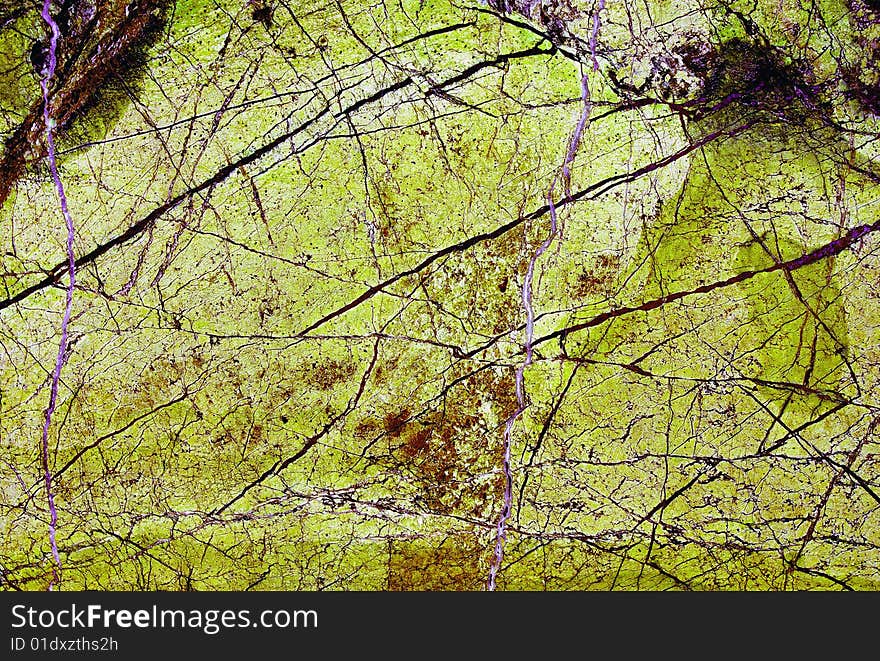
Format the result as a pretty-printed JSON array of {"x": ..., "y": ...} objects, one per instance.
[{"x": 439, "y": 295}]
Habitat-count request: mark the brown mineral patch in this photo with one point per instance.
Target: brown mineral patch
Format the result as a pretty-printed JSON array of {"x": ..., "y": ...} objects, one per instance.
[
  {"x": 394, "y": 422},
  {"x": 330, "y": 373},
  {"x": 598, "y": 278},
  {"x": 453, "y": 564},
  {"x": 418, "y": 444}
]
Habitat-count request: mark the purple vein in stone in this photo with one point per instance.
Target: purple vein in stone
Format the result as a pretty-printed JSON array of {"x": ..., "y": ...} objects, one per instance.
[
  {"x": 528, "y": 307},
  {"x": 594, "y": 33},
  {"x": 45, "y": 82}
]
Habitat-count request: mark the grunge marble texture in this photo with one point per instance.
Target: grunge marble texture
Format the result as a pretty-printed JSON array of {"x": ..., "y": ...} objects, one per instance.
[{"x": 439, "y": 295}]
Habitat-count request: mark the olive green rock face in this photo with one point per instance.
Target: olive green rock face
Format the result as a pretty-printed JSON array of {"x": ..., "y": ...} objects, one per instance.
[
  {"x": 303, "y": 233},
  {"x": 19, "y": 87},
  {"x": 730, "y": 218}
]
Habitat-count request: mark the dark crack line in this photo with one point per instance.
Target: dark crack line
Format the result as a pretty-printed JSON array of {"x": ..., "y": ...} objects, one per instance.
[{"x": 829, "y": 249}]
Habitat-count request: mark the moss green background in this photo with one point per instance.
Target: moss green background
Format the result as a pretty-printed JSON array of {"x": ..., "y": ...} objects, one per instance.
[{"x": 683, "y": 447}]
